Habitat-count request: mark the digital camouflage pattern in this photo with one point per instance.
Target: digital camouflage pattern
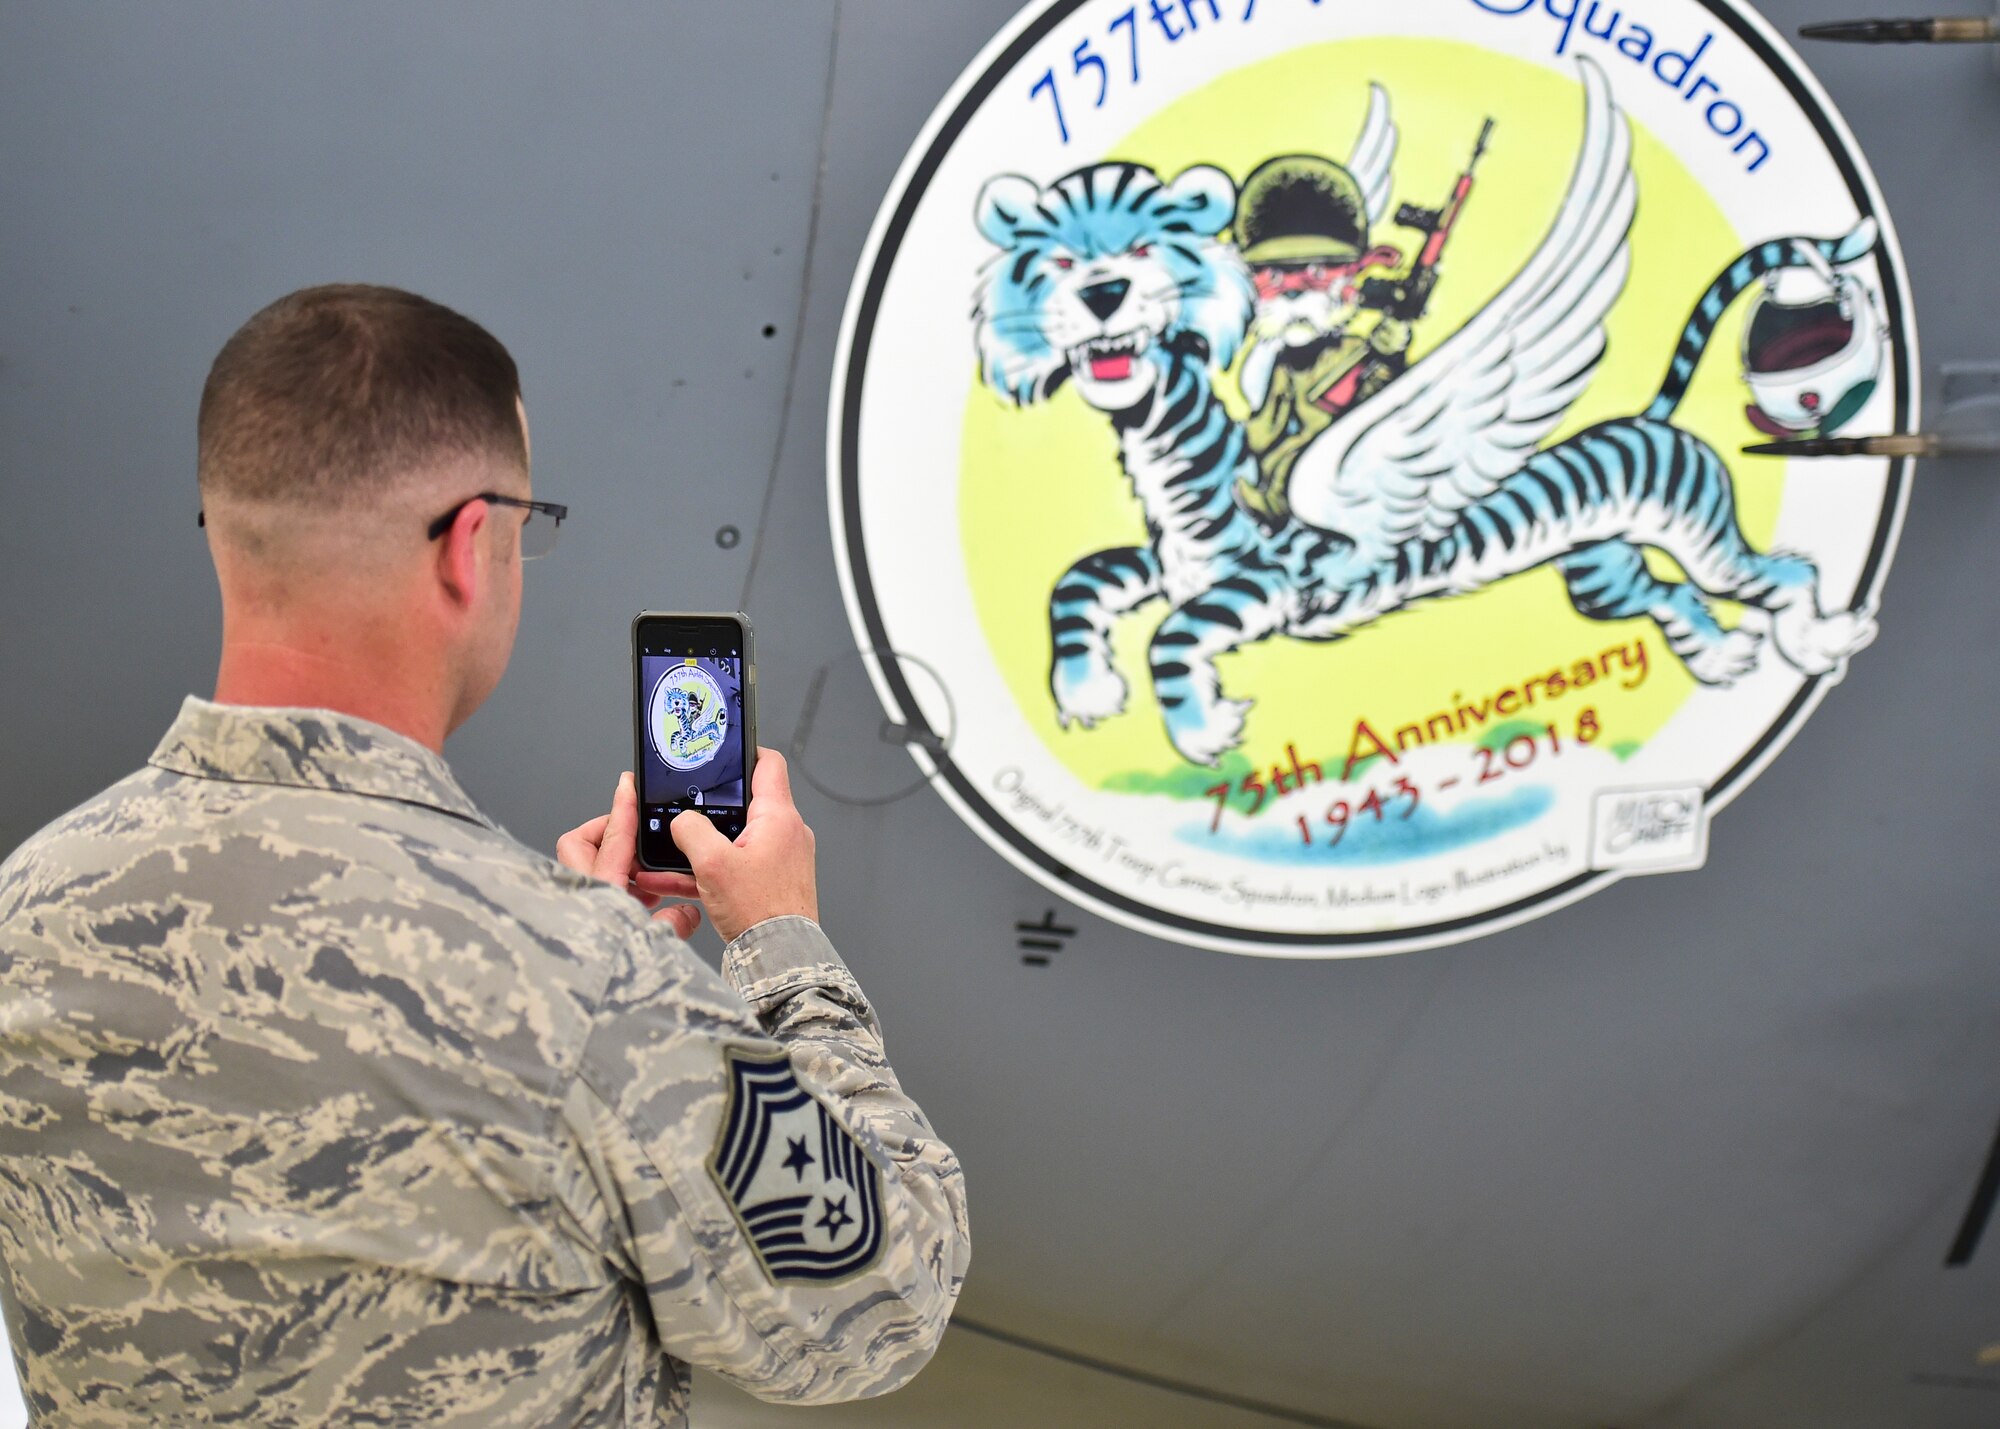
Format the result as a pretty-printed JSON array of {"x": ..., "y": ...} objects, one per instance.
[{"x": 322, "y": 1100}]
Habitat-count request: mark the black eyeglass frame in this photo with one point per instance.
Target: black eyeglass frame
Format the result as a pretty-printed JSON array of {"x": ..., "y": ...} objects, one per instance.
[{"x": 554, "y": 510}]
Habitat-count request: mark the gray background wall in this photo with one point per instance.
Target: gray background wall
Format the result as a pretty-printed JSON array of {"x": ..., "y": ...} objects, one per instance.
[{"x": 1689, "y": 1153}]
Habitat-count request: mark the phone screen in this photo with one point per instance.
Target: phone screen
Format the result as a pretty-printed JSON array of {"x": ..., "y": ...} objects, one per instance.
[{"x": 693, "y": 729}]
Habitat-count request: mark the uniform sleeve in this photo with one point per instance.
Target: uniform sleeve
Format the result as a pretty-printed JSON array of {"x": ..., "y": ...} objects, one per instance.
[{"x": 742, "y": 1149}]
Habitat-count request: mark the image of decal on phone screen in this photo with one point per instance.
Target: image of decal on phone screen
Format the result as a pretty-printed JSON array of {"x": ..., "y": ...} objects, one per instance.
[{"x": 694, "y": 737}]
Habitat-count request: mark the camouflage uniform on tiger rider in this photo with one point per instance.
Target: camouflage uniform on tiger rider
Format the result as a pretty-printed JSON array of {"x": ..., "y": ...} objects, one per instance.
[{"x": 1302, "y": 226}]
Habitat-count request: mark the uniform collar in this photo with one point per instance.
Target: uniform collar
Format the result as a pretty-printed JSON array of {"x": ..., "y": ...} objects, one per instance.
[{"x": 309, "y": 749}]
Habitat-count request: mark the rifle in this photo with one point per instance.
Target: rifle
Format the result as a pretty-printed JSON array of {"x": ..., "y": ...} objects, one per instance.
[{"x": 1407, "y": 296}]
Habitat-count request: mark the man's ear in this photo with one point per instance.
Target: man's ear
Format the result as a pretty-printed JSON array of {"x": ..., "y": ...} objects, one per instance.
[{"x": 462, "y": 555}]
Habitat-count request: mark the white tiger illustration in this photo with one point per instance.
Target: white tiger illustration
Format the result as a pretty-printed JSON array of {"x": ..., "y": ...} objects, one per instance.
[{"x": 1119, "y": 283}]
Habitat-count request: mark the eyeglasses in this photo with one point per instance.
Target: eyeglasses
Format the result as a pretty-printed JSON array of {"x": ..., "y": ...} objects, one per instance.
[{"x": 538, "y": 527}]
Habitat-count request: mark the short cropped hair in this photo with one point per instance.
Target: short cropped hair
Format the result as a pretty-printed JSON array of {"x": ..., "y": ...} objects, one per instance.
[{"x": 330, "y": 394}]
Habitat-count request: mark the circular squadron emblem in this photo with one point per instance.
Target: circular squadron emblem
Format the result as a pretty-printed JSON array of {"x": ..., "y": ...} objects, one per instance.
[
  {"x": 689, "y": 717},
  {"x": 1316, "y": 447}
]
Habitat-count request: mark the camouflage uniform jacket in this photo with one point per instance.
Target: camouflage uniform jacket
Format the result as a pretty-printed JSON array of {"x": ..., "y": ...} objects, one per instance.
[
  {"x": 1309, "y": 392},
  {"x": 324, "y": 1101}
]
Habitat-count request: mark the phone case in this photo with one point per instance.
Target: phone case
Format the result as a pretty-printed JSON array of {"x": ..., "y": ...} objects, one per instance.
[{"x": 749, "y": 700}]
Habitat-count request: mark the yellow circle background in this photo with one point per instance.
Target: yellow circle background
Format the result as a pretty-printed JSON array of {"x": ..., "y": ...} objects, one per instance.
[{"x": 1040, "y": 487}]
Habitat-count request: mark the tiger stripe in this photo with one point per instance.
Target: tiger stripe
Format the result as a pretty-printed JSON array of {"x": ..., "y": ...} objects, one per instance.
[{"x": 1765, "y": 258}]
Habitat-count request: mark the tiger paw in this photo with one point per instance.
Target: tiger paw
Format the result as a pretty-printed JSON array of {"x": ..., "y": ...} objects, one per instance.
[
  {"x": 1723, "y": 662},
  {"x": 1204, "y": 735},
  {"x": 1086, "y": 691},
  {"x": 1817, "y": 644}
]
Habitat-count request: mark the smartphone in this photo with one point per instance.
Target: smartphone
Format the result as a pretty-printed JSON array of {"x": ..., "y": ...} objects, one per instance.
[{"x": 694, "y": 721}]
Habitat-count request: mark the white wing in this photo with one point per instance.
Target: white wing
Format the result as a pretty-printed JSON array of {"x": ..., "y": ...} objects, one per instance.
[
  {"x": 1406, "y": 461},
  {"x": 1374, "y": 154}
]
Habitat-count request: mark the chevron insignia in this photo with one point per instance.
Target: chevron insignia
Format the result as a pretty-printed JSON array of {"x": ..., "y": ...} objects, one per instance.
[{"x": 807, "y": 1195}]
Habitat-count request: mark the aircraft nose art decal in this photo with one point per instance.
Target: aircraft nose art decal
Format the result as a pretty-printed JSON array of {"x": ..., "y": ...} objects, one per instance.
[{"x": 1307, "y": 441}]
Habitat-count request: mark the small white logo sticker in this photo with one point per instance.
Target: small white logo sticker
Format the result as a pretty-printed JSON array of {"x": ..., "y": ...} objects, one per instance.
[{"x": 1649, "y": 830}]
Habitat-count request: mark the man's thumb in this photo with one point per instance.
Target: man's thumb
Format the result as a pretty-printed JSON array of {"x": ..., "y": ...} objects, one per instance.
[{"x": 696, "y": 837}]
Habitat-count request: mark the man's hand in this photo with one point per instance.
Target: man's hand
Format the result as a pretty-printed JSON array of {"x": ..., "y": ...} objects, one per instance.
[
  {"x": 767, "y": 872},
  {"x": 608, "y": 848}
]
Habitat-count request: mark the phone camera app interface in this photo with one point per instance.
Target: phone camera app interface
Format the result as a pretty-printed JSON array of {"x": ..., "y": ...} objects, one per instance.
[{"x": 693, "y": 712}]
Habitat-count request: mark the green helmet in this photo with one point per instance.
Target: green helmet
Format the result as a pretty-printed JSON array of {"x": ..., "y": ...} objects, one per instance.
[{"x": 1301, "y": 208}]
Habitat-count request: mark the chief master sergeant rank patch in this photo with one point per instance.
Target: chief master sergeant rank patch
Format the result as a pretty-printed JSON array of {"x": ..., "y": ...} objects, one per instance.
[{"x": 803, "y": 1188}]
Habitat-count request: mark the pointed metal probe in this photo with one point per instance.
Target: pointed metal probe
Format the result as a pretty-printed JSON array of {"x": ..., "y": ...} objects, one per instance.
[
  {"x": 1968, "y": 424},
  {"x": 1900, "y": 444},
  {"x": 1948, "y": 30}
]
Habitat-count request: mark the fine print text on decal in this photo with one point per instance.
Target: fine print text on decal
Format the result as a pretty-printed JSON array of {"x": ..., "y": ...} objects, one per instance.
[
  {"x": 1092, "y": 843},
  {"x": 1676, "y": 64}
]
